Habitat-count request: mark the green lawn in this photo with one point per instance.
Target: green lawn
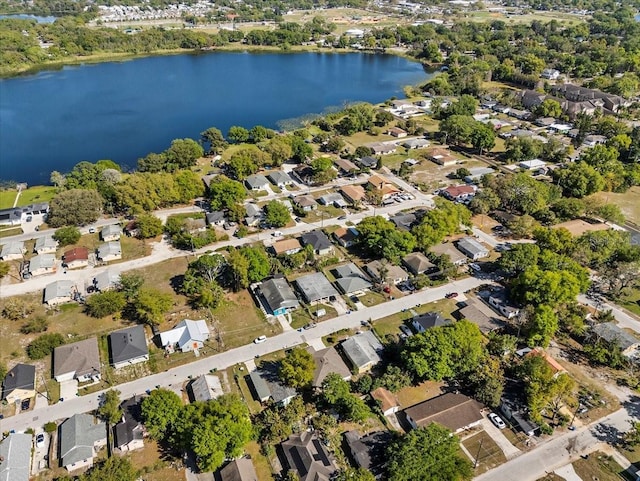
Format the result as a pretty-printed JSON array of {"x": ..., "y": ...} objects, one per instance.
[
  {"x": 300, "y": 317},
  {"x": 628, "y": 201},
  {"x": 485, "y": 450},
  {"x": 599, "y": 466},
  {"x": 38, "y": 193}
]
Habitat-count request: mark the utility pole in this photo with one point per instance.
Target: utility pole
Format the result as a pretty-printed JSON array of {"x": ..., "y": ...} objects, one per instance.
[{"x": 475, "y": 464}]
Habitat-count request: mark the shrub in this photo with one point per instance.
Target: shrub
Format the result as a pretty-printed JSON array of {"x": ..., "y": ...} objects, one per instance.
[
  {"x": 38, "y": 324},
  {"x": 44, "y": 345}
]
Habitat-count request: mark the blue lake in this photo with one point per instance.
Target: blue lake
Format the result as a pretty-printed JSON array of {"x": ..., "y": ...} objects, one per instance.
[{"x": 124, "y": 110}]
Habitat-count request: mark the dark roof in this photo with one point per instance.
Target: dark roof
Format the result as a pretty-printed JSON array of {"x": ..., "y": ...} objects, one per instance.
[
  {"x": 403, "y": 221},
  {"x": 128, "y": 344},
  {"x": 267, "y": 377},
  {"x": 130, "y": 427},
  {"x": 368, "y": 451},
  {"x": 431, "y": 319},
  {"x": 215, "y": 216},
  {"x": 453, "y": 411},
  {"x": 307, "y": 456},
  {"x": 237, "y": 470},
  {"x": 612, "y": 333},
  {"x": 317, "y": 239},
  {"x": 368, "y": 161},
  {"x": 328, "y": 361},
  {"x": 22, "y": 376},
  {"x": 278, "y": 294}
]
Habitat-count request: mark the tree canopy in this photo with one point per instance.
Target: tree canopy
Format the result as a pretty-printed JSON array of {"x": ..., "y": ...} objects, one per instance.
[
  {"x": 74, "y": 207},
  {"x": 297, "y": 368}
]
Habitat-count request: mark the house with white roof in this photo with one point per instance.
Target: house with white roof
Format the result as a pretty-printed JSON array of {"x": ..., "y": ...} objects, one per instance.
[
  {"x": 109, "y": 251},
  {"x": 42, "y": 264},
  {"x": 45, "y": 245},
  {"x": 12, "y": 251},
  {"x": 15, "y": 452},
  {"x": 111, "y": 233},
  {"x": 187, "y": 336}
]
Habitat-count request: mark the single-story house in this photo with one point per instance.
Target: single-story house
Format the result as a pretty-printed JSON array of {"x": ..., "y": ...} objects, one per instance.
[
  {"x": 208, "y": 179},
  {"x": 128, "y": 434},
  {"x": 404, "y": 221},
  {"x": 386, "y": 400},
  {"x": 267, "y": 386},
  {"x": 305, "y": 202},
  {"x": 498, "y": 300},
  {"x": 15, "y": 452},
  {"x": 477, "y": 312},
  {"x": 476, "y": 174},
  {"x": 205, "y": 388},
  {"x": 416, "y": 144},
  {"x": 368, "y": 162},
  {"x": 395, "y": 274},
  {"x": 106, "y": 280},
  {"x": 382, "y": 185},
  {"x": 331, "y": 199},
  {"x": 328, "y": 361},
  {"x": 286, "y": 246},
  {"x": 315, "y": 287},
  {"x": 532, "y": 164},
  {"x": 544, "y": 121},
  {"x": 448, "y": 249},
  {"x": 279, "y": 178},
  {"x": 132, "y": 229},
  {"x": 109, "y": 251},
  {"x": 79, "y": 360},
  {"x": 345, "y": 167},
  {"x": 472, "y": 248},
  {"x": 13, "y": 250},
  {"x": 593, "y": 140},
  {"x": 345, "y": 236},
  {"x": 110, "y": 233},
  {"x": 60, "y": 292},
  {"x": 188, "y": 335},
  {"x": 240, "y": 469},
  {"x": 256, "y": 182},
  {"x": 418, "y": 263},
  {"x": 458, "y": 193},
  {"x": 42, "y": 264},
  {"x": 550, "y": 74},
  {"x": 75, "y": 258},
  {"x": 254, "y": 214},
  {"x": 318, "y": 240},
  {"x": 45, "y": 245},
  {"x": 363, "y": 350},
  {"x": 514, "y": 413},
  {"x": 442, "y": 156},
  {"x": 305, "y": 455},
  {"x": 128, "y": 346},
  {"x": 555, "y": 366},
  {"x": 350, "y": 279},
  {"x": 277, "y": 295},
  {"x": 455, "y": 412},
  {"x": 16, "y": 215},
  {"x": 215, "y": 218},
  {"x": 193, "y": 226},
  {"x": 369, "y": 452},
  {"x": 397, "y": 132},
  {"x": 423, "y": 322},
  {"x": 79, "y": 439},
  {"x": 304, "y": 173},
  {"x": 353, "y": 193},
  {"x": 19, "y": 383},
  {"x": 519, "y": 114},
  {"x": 382, "y": 148},
  {"x": 610, "y": 332}
]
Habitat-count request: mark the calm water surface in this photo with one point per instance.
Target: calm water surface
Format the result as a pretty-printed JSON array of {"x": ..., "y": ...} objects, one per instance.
[{"x": 122, "y": 111}]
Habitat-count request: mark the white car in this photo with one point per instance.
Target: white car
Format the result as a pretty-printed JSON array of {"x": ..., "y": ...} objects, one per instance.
[
  {"x": 475, "y": 267},
  {"x": 40, "y": 441},
  {"x": 260, "y": 339},
  {"x": 497, "y": 420}
]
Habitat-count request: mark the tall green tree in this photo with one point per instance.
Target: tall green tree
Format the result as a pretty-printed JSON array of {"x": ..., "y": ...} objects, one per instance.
[
  {"x": 226, "y": 193},
  {"x": 160, "y": 411},
  {"x": 105, "y": 303},
  {"x": 427, "y": 454},
  {"x": 148, "y": 226},
  {"x": 150, "y": 305},
  {"x": 74, "y": 207},
  {"x": 115, "y": 468},
  {"x": 67, "y": 236},
  {"x": 183, "y": 154},
  {"x": 297, "y": 368},
  {"x": 215, "y": 140},
  {"x": 277, "y": 214},
  {"x": 109, "y": 409}
]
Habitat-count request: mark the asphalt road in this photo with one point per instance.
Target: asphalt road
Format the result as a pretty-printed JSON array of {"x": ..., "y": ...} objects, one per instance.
[
  {"x": 180, "y": 374},
  {"x": 624, "y": 319}
]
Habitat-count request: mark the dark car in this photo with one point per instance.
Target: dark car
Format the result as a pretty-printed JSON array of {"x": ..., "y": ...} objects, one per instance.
[
  {"x": 451, "y": 295},
  {"x": 26, "y": 404}
]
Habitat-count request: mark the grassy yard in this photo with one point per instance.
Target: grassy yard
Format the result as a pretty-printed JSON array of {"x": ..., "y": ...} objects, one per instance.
[
  {"x": 632, "y": 301},
  {"x": 38, "y": 193},
  {"x": 321, "y": 213},
  {"x": 412, "y": 395},
  {"x": 628, "y": 201},
  {"x": 599, "y": 466},
  {"x": 260, "y": 462},
  {"x": 10, "y": 231},
  {"x": 372, "y": 298},
  {"x": 239, "y": 378},
  {"x": 301, "y": 317},
  {"x": 152, "y": 460},
  {"x": 390, "y": 324},
  {"x": 485, "y": 452}
]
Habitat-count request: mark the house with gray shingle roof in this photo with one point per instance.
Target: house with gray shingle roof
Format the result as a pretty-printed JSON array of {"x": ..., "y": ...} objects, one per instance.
[
  {"x": 79, "y": 439},
  {"x": 363, "y": 350},
  {"x": 42, "y": 264},
  {"x": 106, "y": 280},
  {"x": 472, "y": 248},
  {"x": 418, "y": 263},
  {"x": 15, "y": 452},
  {"x": 78, "y": 360},
  {"x": 315, "y": 287},
  {"x": 128, "y": 347},
  {"x": 12, "y": 251},
  {"x": 237, "y": 470},
  {"x": 19, "y": 383},
  {"x": 59, "y": 292},
  {"x": 278, "y": 295},
  {"x": 45, "y": 245},
  {"x": 256, "y": 182},
  {"x": 267, "y": 385},
  {"x": 350, "y": 279},
  {"x": 111, "y": 232},
  {"x": 279, "y": 178},
  {"x": 109, "y": 251},
  {"x": 610, "y": 332},
  {"x": 423, "y": 322}
]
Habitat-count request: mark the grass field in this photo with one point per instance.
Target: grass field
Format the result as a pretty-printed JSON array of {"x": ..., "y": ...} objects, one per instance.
[
  {"x": 599, "y": 466},
  {"x": 300, "y": 317},
  {"x": 412, "y": 395},
  {"x": 628, "y": 201},
  {"x": 38, "y": 193},
  {"x": 485, "y": 452}
]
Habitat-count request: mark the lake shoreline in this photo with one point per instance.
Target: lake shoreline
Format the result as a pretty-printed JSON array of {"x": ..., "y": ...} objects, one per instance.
[{"x": 107, "y": 57}]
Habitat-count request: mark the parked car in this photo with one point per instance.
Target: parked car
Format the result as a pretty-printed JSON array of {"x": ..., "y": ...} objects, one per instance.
[
  {"x": 497, "y": 420},
  {"x": 277, "y": 233},
  {"x": 92, "y": 230},
  {"x": 451, "y": 295},
  {"x": 29, "y": 218},
  {"x": 40, "y": 441},
  {"x": 405, "y": 330},
  {"x": 387, "y": 289},
  {"x": 260, "y": 339},
  {"x": 342, "y": 217},
  {"x": 26, "y": 404},
  {"x": 475, "y": 267}
]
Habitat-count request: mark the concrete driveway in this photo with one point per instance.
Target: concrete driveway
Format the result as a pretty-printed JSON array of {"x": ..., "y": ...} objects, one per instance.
[
  {"x": 68, "y": 389},
  {"x": 500, "y": 439}
]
